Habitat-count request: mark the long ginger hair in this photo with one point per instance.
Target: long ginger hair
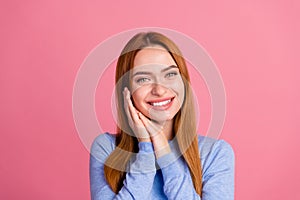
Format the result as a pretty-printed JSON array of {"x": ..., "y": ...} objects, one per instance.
[{"x": 184, "y": 125}]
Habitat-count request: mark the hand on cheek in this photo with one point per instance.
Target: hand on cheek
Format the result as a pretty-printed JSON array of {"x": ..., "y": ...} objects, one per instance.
[
  {"x": 133, "y": 119},
  {"x": 144, "y": 129},
  {"x": 158, "y": 138}
]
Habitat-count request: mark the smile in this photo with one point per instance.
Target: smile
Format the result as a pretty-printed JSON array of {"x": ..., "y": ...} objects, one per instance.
[{"x": 162, "y": 103}]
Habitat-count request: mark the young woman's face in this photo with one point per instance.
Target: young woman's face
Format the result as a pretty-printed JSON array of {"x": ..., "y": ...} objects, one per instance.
[{"x": 156, "y": 85}]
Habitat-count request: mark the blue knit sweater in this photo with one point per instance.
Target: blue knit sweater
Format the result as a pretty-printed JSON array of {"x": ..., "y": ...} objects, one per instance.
[{"x": 167, "y": 177}]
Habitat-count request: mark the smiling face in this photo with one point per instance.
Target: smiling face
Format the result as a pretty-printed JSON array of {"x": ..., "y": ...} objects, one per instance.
[{"x": 156, "y": 84}]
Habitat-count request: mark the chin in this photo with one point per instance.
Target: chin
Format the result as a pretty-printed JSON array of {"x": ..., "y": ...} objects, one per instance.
[{"x": 159, "y": 117}]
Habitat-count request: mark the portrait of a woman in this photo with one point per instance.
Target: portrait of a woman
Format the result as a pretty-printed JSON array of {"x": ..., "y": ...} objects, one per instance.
[{"x": 157, "y": 152}]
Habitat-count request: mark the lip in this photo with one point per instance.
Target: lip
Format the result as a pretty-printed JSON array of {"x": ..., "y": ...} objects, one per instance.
[
  {"x": 165, "y": 107},
  {"x": 160, "y": 100}
]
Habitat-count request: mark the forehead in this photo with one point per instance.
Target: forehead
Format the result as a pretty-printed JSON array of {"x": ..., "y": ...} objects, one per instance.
[{"x": 153, "y": 55}]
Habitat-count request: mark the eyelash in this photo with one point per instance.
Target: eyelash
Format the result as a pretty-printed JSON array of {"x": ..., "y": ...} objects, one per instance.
[
  {"x": 140, "y": 80},
  {"x": 168, "y": 75},
  {"x": 173, "y": 74}
]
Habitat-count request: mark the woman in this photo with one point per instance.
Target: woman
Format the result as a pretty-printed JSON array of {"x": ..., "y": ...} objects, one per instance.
[{"x": 156, "y": 153}]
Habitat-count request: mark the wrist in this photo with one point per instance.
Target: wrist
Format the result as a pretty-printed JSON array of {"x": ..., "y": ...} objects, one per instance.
[
  {"x": 160, "y": 144},
  {"x": 162, "y": 151},
  {"x": 144, "y": 139}
]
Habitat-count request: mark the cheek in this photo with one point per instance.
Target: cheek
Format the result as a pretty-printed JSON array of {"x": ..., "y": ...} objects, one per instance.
[
  {"x": 178, "y": 87},
  {"x": 135, "y": 99},
  {"x": 180, "y": 92},
  {"x": 138, "y": 97}
]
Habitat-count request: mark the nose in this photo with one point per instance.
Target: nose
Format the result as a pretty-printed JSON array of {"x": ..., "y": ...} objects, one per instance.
[{"x": 158, "y": 90}]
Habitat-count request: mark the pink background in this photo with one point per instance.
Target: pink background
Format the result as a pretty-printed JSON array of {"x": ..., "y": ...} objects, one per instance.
[{"x": 255, "y": 45}]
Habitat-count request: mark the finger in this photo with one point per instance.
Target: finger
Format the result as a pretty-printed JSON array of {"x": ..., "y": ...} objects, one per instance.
[
  {"x": 152, "y": 128},
  {"x": 158, "y": 139},
  {"x": 132, "y": 109},
  {"x": 136, "y": 124},
  {"x": 126, "y": 108}
]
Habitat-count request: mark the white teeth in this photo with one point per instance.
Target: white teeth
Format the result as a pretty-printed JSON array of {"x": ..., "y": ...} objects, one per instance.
[{"x": 162, "y": 103}]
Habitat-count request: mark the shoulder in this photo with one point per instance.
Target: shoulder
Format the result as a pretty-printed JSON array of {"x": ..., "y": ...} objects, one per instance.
[
  {"x": 208, "y": 144},
  {"x": 103, "y": 145},
  {"x": 217, "y": 159},
  {"x": 215, "y": 151}
]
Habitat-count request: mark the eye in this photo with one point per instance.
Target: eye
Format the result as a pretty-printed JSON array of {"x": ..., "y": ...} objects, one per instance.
[
  {"x": 171, "y": 74},
  {"x": 142, "y": 80}
]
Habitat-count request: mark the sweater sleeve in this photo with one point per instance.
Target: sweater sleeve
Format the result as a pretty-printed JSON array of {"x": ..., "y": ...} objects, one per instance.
[
  {"x": 218, "y": 175},
  {"x": 139, "y": 179},
  {"x": 177, "y": 180}
]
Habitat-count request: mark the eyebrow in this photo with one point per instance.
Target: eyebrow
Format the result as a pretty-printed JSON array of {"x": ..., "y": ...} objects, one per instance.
[{"x": 147, "y": 73}]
